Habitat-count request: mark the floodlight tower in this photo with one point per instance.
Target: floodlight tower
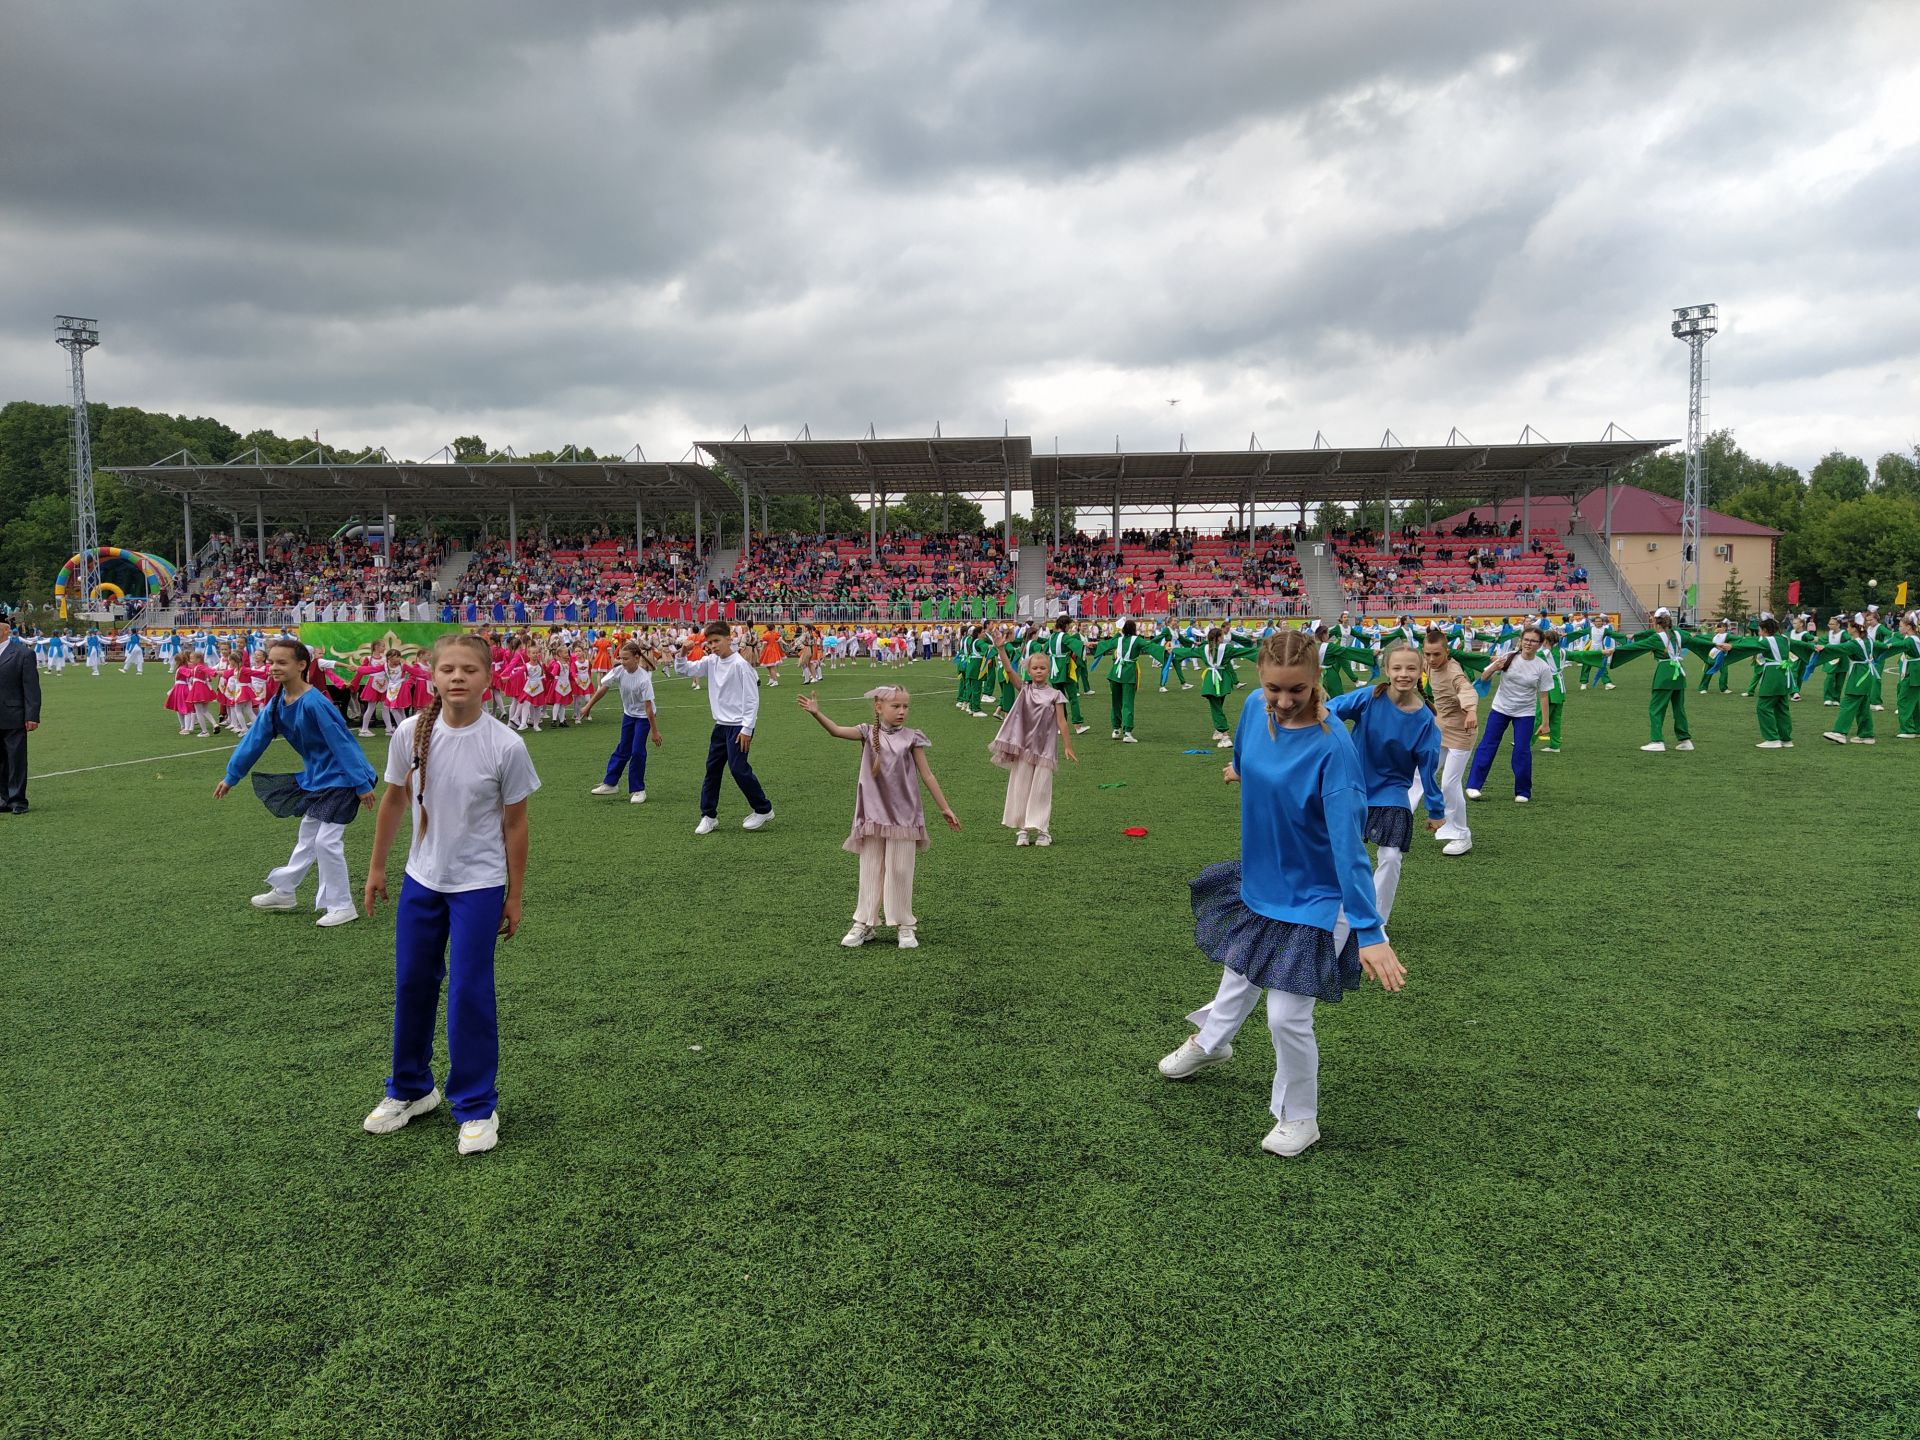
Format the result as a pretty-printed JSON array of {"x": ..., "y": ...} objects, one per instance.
[
  {"x": 77, "y": 336},
  {"x": 1696, "y": 325}
]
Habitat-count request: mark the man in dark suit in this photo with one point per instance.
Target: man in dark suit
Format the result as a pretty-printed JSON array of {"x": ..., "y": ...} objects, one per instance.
[{"x": 19, "y": 715}]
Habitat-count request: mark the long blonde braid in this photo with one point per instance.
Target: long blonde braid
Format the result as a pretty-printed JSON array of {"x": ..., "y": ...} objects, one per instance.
[{"x": 423, "y": 726}]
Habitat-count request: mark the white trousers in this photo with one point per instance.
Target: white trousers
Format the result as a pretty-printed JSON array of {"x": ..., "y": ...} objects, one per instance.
[
  {"x": 135, "y": 661},
  {"x": 886, "y": 881},
  {"x": 1386, "y": 884},
  {"x": 93, "y": 664},
  {"x": 324, "y": 845},
  {"x": 1453, "y": 791},
  {"x": 203, "y": 715},
  {"x": 1296, "y": 1054},
  {"x": 1029, "y": 797}
]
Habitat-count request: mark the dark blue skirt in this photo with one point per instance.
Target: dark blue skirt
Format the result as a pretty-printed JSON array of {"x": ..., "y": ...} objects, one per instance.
[
  {"x": 1273, "y": 954},
  {"x": 282, "y": 796},
  {"x": 1390, "y": 825}
]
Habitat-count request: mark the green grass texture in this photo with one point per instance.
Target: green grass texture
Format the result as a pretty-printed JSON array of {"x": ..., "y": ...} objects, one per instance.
[{"x": 1634, "y": 1153}]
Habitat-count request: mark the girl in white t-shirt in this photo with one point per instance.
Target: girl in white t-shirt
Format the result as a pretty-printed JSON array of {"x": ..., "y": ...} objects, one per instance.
[
  {"x": 464, "y": 779},
  {"x": 633, "y": 678},
  {"x": 1524, "y": 680}
]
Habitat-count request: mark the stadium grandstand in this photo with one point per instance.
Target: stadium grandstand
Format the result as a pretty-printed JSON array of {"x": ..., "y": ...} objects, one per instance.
[{"x": 1211, "y": 532}]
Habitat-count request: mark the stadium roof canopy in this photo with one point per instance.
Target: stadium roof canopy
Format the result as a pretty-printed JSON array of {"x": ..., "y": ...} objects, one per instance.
[
  {"x": 344, "y": 489},
  {"x": 1293, "y": 477},
  {"x": 940, "y": 465}
]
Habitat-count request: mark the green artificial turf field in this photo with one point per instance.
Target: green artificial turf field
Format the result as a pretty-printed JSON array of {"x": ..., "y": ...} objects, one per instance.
[{"x": 1632, "y": 1155}]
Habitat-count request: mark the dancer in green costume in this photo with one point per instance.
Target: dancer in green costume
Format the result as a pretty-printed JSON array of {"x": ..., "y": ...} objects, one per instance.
[
  {"x": 1556, "y": 697},
  {"x": 1906, "y": 694},
  {"x": 1123, "y": 674},
  {"x": 1067, "y": 661},
  {"x": 1217, "y": 676},
  {"x": 1836, "y": 681},
  {"x": 1337, "y": 661},
  {"x": 1860, "y": 655},
  {"x": 1778, "y": 660},
  {"x": 1669, "y": 646}
]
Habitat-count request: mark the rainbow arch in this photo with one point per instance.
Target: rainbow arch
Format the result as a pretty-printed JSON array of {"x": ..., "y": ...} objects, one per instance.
[{"x": 155, "y": 569}]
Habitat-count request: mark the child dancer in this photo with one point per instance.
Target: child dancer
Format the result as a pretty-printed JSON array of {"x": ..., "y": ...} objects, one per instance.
[
  {"x": 633, "y": 678},
  {"x": 1669, "y": 647},
  {"x": 336, "y": 779},
  {"x": 366, "y": 680},
  {"x": 1906, "y": 695},
  {"x": 180, "y": 696},
  {"x": 889, "y": 820},
  {"x": 96, "y": 652},
  {"x": 135, "y": 657},
  {"x": 583, "y": 683},
  {"x": 1455, "y": 702},
  {"x": 1024, "y": 749},
  {"x": 533, "y": 686},
  {"x": 1067, "y": 654},
  {"x": 1218, "y": 678},
  {"x": 1554, "y": 698},
  {"x": 772, "y": 652},
  {"x": 1123, "y": 675},
  {"x": 1397, "y": 740},
  {"x": 1778, "y": 662},
  {"x": 1524, "y": 679},
  {"x": 1269, "y": 919},
  {"x": 559, "y": 683},
  {"x": 733, "y": 695},
  {"x": 463, "y": 779},
  {"x": 199, "y": 677},
  {"x": 1860, "y": 653}
]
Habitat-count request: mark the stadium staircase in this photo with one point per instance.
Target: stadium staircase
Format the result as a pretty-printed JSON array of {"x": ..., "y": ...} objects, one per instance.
[
  {"x": 1324, "y": 594},
  {"x": 447, "y": 579},
  {"x": 1610, "y": 589},
  {"x": 1030, "y": 580},
  {"x": 721, "y": 562}
]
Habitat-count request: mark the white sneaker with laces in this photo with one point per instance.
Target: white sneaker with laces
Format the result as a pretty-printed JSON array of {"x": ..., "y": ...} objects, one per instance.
[
  {"x": 1473, "y": 794},
  {"x": 1116, "y": 735},
  {"x": 1684, "y": 745},
  {"x": 603, "y": 790},
  {"x": 1655, "y": 747},
  {"x": 1081, "y": 729},
  {"x": 390, "y": 1114},
  {"x": 1290, "y": 1137},
  {"x": 638, "y": 797},
  {"x": 275, "y": 900},
  {"x": 1020, "y": 837},
  {"x": 1043, "y": 838},
  {"x": 479, "y": 1135},
  {"x": 1186, "y": 687},
  {"x": 1190, "y": 1059},
  {"x": 1225, "y": 742},
  {"x": 706, "y": 826},
  {"x": 857, "y": 936},
  {"x": 756, "y": 820},
  {"x": 1163, "y": 689},
  {"x": 345, "y": 915},
  {"x": 1833, "y": 735},
  {"x": 1456, "y": 847},
  {"x": 908, "y": 940},
  {"x": 1768, "y": 745},
  {"x": 1861, "y": 740},
  {"x": 1127, "y": 739}
]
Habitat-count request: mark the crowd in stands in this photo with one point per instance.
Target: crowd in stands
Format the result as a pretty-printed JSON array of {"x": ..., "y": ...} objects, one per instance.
[
  {"x": 299, "y": 570},
  {"x": 1178, "y": 570},
  {"x": 898, "y": 577},
  {"x": 598, "y": 566},
  {"x": 1431, "y": 571}
]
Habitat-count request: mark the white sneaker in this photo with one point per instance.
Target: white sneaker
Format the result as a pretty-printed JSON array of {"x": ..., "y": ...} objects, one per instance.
[
  {"x": 1878, "y": 708},
  {"x": 1473, "y": 794},
  {"x": 1116, "y": 735},
  {"x": 1190, "y": 1059},
  {"x": 1127, "y": 739},
  {"x": 479, "y": 1135},
  {"x": 706, "y": 826},
  {"x": 1610, "y": 685},
  {"x": 1684, "y": 745},
  {"x": 275, "y": 900},
  {"x": 1456, "y": 847},
  {"x": 1043, "y": 838},
  {"x": 1861, "y": 740},
  {"x": 908, "y": 940},
  {"x": 1186, "y": 687},
  {"x": 639, "y": 797},
  {"x": 1904, "y": 735},
  {"x": 1549, "y": 749},
  {"x": 1768, "y": 745},
  {"x": 1519, "y": 799},
  {"x": 1290, "y": 1137},
  {"x": 1020, "y": 837},
  {"x": 755, "y": 820},
  {"x": 603, "y": 790},
  {"x": 857, "y": 936},
  {"x": 390, "y": 1114},
  {"x": 345, "y": 915},
  {"x": 1081, "y": 729},
  {"x": 1833, "y": 735},
  {"x": 1163, "y": 689},
  {"x": 1656, "y": 746},
  {"x": 1788, "y": 744},
  {"x": 1225, "y": 742}
]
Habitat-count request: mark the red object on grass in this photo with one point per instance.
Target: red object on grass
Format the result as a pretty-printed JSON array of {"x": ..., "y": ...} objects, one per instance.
[{"x": 1138, "y": 832}]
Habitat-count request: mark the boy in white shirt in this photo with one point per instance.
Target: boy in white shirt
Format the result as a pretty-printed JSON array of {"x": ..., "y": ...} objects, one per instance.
[
  {"x": 1524, "y": 680},
  {"x": 733, "y": 694},
  {"x": 633, "y": 678}
]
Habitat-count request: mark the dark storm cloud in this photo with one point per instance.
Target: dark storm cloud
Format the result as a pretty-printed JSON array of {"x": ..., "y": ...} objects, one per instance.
[{"x": 573, "y": 218}]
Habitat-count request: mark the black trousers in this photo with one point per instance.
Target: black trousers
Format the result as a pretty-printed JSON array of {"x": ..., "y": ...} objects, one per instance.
[
  {"x": 724, "y": 753},
  {"x": 13, "y": 767}
]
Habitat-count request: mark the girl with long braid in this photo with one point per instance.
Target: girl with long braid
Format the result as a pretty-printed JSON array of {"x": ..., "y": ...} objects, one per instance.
[
  {"x": 462, "y": 779},
  {"x": 1270, "y": 920}
]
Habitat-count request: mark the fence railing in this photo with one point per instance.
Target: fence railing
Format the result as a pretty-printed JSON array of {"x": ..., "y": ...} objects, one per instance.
[{"x": 1630, "y": 606}]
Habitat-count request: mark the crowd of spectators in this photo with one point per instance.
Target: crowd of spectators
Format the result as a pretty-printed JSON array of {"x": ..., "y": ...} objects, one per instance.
[
  {"x": 298, "y": 570},
  {"x": 1430, "y": 571},
  {"x": 899, "y": 575},
  {"x": 1180, "y": 569}
]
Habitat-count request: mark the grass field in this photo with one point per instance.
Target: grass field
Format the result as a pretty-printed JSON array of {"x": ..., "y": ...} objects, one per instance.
[{"x": 1633, "y": 1155}]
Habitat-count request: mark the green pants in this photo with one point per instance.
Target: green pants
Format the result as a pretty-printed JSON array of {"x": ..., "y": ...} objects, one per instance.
[
  {"x": 1753, "y": 681},
  {"x": 1122, "y": 696},
  {"x": 1776, "y": 717},
  {"x": 1706, "y": 681},
  {"x": 975, "y": 688},
  {"x": 1856, "y": 712},
  {"x": 1072, "y": 692},
  {"x": 1833, "y": 686},
  {"x": 1907, "y": 700},
  {"x": 1217, "y": 705},
  {"x": 1657, "y": 714},
  {"x": 1550, "y": 729}
]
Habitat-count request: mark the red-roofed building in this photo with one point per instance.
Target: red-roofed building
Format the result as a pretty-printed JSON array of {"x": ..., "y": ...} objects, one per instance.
[{"x": 1646, "y": 542}]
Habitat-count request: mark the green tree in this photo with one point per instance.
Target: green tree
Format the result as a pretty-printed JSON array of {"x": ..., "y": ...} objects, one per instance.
[
  {"x": 1733, "y": 598},
  {"x": 1839, "y": 476},
  {"x": 1846, "y": 544},
  {"x": 470, "y": 449},
  {"x": 1898, "y": 475}
]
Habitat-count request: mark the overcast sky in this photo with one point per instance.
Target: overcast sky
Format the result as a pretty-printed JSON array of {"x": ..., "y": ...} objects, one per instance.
[{"x": 571, "y": 221}]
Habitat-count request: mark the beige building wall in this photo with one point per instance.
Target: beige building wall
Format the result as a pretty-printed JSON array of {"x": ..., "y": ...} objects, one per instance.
[{"x": 1650, "y": 561}]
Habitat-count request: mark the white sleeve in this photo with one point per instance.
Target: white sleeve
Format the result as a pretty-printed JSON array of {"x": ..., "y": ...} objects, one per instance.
[
  {"x": 400, "y": 753},
  {"x": 517, "y": 777}
]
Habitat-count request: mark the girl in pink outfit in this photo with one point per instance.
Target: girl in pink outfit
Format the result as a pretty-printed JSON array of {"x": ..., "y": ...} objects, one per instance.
[
  {"x": 582, "y": 681},
  {"x": 199, "y": 677},
  {"x": 533, "y": 687},
  {"x": 1024, "y": 747},
  {"x": 180, "y": 694},
  {"x": 560, "y": 685},
  {"x": 889, "y": 822},
  {"x": 366, "y": 685}
]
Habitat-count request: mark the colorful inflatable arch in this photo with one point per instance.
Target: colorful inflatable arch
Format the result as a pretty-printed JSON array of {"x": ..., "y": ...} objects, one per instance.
[{"x": 154, "y": 569}]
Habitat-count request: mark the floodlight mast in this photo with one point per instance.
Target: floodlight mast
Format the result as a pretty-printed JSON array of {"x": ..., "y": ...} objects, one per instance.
[
  {"x": 1695, "y": 325},
  {"x": 76, "y": 336}
]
